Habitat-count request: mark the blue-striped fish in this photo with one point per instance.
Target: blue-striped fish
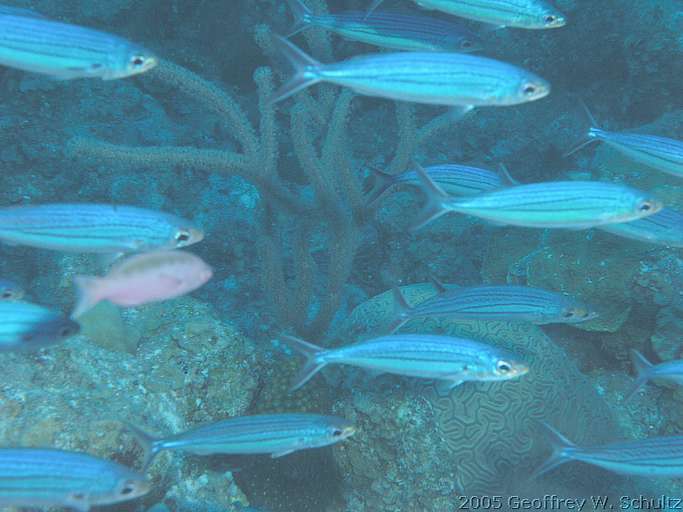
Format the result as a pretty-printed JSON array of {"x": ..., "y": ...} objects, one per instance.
[
  {"x": 663, "y": 228},
  {"x": 658, "y": 456},
  {"x": 670, "y": 371},
  {"x": 65, "y": 51},
  {"x": 450, "y": 361},
  {"x": 453, "y": 79},
  {"x": 454, "y": 179},
  {"x": 505, "y": 303},
  {"x": 660, "y": 153},
  {"x": 53, "y": 478},
  {"x": 9, "y": 290},
  {"x": 389, "y": 29},
  {"x": 95, "y": 228},
  {"x": 558, "y": 204},
  {"x": 529, "y": 14},
  {"x": 25, "y": 326},
  {"x": 274, "y": 434}
]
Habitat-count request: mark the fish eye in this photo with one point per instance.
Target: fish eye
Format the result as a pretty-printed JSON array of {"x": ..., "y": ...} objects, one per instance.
[
  {"x": 550, "y": 19},
  {"x": 65, "y": 332},
  {"x": 529, "y": 89},
  {"x": 466, "y": 43},
  {"x": 137, "y": 60},
  {"x": 182, "y": 237},
  {"x": 645, "y": 206},
  {"x": 503, "y": 367},
  {"x": 128, "y": 489},
  {"x": 569, "y": 313},
  {"x": 7, "y": 294},
  {"x": 337, "y": 433}
]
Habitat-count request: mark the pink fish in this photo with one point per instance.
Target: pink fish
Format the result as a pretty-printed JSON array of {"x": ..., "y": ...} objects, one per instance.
[{"x": 143, "y": 278}]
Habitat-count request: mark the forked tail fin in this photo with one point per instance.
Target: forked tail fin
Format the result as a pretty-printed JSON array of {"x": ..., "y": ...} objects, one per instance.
[
  {"x": 305, "y": 69},
  {"x": 150, "y": 445},
  {"x": 642, "y": 367},
  {"x": 301, "y": 15},
  {"x": 436, "y": 197},
  {"x": 311, "y": 366},
  {"x": 593, "y": 131},
  {"x": 561, "y": 447},
  {"x": 383, "y": 182},
  {"x": 401, "y": 310}
]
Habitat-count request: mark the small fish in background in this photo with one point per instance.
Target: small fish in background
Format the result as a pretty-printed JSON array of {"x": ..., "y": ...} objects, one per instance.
[
  {"x": 663, "y": 228},
  {"x": 450, "y": 361},
  {"x": 528, "y": 14},
  {"x": 558, "y": 204},
  {"x": 659, "y": 153},
  {"x": 143, "y": 278},
  {"x": 32, "y": 477},
  {"x": 654, "y": 457},
  {"x": 454, "y": 179},
  {"x": 670, "y": 371},
  {"x": 273, "y": 434},
  {"x": 9, "y": 290},
  {"x": 25, "y": 326},
  {"x": 502, "y": 303},
  {"x": 95, "y": 228},
  {"x": 63, "y": 51},
  {"x": 410, "y": 32},
  {"x": 451, "y": 79}
]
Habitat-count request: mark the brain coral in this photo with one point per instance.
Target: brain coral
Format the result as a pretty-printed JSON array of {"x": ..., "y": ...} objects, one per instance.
[{"x": 489, "y": 430}]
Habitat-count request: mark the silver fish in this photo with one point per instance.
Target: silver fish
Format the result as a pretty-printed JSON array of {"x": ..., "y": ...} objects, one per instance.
[
  {"x": 663, "y": 228},
  {"x": 558, "y": 204},
  {"x": 528, "y": 14},
  {"x": 660, "y": 153},
  {"x": 274, "y": 434},
  {"x": 9, "y": 290},
  {"x": 654, "y": 457},
  {"x": 95, "y": 228},
  {"x": 389, "y": 29},
  {"x": 453, "y": 79},
  {"x": 504, "y": 303},
  {"x": 52, "y": 478},
  {"x": 25, "y": 326},
  {"x": 670, "y": 371},
  {"x": 450, "y": 361},
  {"x": 454, "y": 179},
  {"x": 65, "y": 51}
]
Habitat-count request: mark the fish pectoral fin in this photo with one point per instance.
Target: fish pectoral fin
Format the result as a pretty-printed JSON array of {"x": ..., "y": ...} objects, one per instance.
[
  {"x": 455, "y": 114},
  {"x": 444, "y": 387},
  {"x": 78, "y": 501},
  {"x": 171, "y": 280},
  {"x": 277, "y": 455}
]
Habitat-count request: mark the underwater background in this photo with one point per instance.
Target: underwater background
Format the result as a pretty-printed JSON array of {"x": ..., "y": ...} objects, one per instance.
[{"x": 279, "y": 191}]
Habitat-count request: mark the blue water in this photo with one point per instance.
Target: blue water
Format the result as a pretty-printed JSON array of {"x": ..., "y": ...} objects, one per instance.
[{"x": 280, "y": 194}]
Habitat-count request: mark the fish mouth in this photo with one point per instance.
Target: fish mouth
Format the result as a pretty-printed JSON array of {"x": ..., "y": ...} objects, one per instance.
[{"x": 348, "y": 432}]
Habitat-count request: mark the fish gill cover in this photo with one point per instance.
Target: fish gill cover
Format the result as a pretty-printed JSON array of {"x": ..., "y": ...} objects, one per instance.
[{"x": 259, "y": 137}]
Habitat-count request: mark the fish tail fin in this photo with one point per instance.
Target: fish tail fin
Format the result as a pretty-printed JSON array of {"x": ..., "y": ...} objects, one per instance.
[
  {"x": 593, "y": 131},
  {"x": 301, "y": 15},
  {"x": 401, "y": 310},
  {"x": 560, "y": 445},
  {"x": 312, "y": 354},
  {"x": 642, "y": 367},
  {"x": 373, "y": 6},
  {"x": 305, "y": 69},
  {"x": 150, "y": 445},
  {"x": 383, "y": 182},
  {"x": 506, "y": 174},
  {"x": 87, "y": 296},
  {"x": 434, "y": 207}
]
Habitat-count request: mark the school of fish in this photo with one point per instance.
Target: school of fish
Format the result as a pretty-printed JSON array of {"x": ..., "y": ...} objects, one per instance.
[{"x": 432, "y": 62}]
